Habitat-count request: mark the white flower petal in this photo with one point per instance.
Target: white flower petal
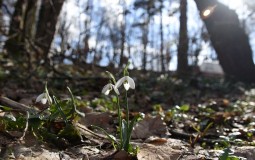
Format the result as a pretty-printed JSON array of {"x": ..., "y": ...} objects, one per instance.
[
  {"x": 120, "y": 82},
  {"x": 116, "y": 90},
  {"x": 107, "y": 92},
  {"x": 40, "y": 97},
  {"x": 131, "y": 82},
  {"x": 126, "y": 86},
  {"x": 106, "y": 88},
  {"x": 44, "y": 100}
]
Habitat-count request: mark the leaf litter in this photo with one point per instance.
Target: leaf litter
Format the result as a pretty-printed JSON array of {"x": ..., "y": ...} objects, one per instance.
[{"x": 214, "y": 115}]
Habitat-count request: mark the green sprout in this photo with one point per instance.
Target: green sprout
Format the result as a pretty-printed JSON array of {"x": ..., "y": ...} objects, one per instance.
[
  {"x": 55, "y": 124},
  {"x": 125, "y": 125}
]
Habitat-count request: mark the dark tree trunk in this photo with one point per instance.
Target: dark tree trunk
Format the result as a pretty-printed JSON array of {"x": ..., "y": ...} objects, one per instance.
[
  {"x": 229, "y": 40},
  {"x": 123, "y": 38},
  {"x": 162, "y": 59},
  {"x": 145, "y": 43},
  {"x": 15, "y": 43},
  {"x": 1, "y": 16},
  {"x": 20, "y": 32},
  {"x": 182, "y": 66},
  {"x": 48, "y": 17}
]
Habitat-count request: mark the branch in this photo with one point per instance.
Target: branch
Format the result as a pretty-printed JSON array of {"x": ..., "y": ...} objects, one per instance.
[{"x": 15, "y": 105}]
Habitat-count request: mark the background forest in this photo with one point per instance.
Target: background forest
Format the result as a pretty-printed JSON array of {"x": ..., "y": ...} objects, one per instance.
[
  {"x": 40, "y": 37},
  {"x": 191, "y": 77}
]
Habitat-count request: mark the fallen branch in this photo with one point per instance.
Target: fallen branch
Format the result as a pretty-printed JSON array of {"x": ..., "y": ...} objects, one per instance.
[
  {"x": 15, "y": 105},
  {"x": 187, "y": 136}
]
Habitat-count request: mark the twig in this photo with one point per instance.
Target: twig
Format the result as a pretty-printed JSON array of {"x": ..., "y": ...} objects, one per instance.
[
  {"x": 26, "y": 128},
  {"x": 187, "y": 136},
  {"x": 15, "y": 105},
  {"x": 85, "y": 129}
]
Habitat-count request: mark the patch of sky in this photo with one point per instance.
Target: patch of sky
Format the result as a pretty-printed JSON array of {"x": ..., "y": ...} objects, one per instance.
[{"x": 113, "y": 16}]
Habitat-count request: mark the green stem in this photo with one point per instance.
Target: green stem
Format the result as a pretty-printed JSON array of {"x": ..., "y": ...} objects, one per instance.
[
  {"x": 127, "y": 109},
  {"x": 127, "y": 119},
  {"x": 120, "y": 123}
]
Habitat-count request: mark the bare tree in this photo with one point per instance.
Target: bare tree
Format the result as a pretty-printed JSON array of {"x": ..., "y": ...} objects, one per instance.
[
  {"x": 123, "y": 33},
  {"x": 15, "y": 43},
  {"x": 182, "y": 65},
  {"x": 228, "y": 39},
  {"x": 162, "y": 59},
  {"x": 46, "y": 26},
  {"x": 21, "y": 34}
]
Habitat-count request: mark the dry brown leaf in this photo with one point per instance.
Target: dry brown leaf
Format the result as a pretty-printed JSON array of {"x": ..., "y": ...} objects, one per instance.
[
  {"x": 149, "y": 127},
  {"x": 122, "y": 155},
  {"x": 97, "y": 119},
  {"x": 152, "y": 152},
  {"x": 156, "y": 140}
]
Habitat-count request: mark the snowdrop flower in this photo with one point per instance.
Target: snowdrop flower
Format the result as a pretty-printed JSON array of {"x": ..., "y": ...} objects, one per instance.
[
  {"x": 43, "y": 98},
  {"x": 127, "y": 82},
  {"x": 107, "y": 88}
]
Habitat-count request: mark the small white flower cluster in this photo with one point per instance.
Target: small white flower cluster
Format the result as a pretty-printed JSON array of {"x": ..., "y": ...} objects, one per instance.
[
  {"x": 127, "y": 82},
  {"x": 43, "y": 98}
]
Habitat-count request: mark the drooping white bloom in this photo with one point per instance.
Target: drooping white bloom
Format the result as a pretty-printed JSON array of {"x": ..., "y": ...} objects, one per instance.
[
  {"x": 107, "y": 88},
  {"x": 127, "y": 83},
  {"x": 43, "y": 98}
]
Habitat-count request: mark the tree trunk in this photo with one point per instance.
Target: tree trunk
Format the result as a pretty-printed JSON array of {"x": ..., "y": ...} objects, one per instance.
[
  {"x": 87, "y": 24},
  {"x": 162, "y": 60},
  {"x": 228, "y": 39},
  {"x": 21, "y": 33},
  {"x": 15, "y": 43},
  {"x": 123, "y": 38},
  {"x": 1, "y": 17},
  {"x": 48, "y": 17},
  {"x": 145, "y": 43},
  {"x": 182, "y": 66}
]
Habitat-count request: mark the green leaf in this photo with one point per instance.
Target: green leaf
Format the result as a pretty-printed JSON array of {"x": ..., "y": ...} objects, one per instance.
[
  {"x": 127, "y": 131},
  {"x": 74, "y": 109},
  {"x": 4, "y": 108},
  {"x": 10, "y": 116},
  {"x": 111, "y": 77},
  {"x": 126, "y": 69},
  {"x": 184, "y": 108},
  {"x": 70, "y": 133},
  {"x": 226, "y": 156},
  {"x": 35, "y": 124},
  {"x": 110, "y": 137},
  {"x": 47, "y": 94},
  {"x": 60, "y": 109},
  {"x": 124, "y": 131}
]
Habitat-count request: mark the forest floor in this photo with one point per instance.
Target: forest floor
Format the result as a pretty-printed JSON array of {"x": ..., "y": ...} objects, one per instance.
[{"x": 194, "y": 118}]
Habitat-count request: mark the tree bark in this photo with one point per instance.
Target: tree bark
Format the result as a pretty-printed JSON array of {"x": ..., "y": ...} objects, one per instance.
[
  {"x": 162, "y": 59},
  {"x": 182, "y": 66},
  {"x": 48, "y": 17},
  {"x": 15, "y": 43},
  {"x": 145, "y": 34},
  {"x": 21, "y": 32},
  {"x": 229, "y": 40},
  {"x": 123, "y": 38}
]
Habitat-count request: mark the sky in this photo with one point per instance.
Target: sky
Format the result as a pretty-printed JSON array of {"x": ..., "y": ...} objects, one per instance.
[{"x": 75, "y": 14}]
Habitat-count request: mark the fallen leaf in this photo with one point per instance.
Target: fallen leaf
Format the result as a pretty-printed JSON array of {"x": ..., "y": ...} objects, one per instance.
[
  {"x": 152, "y": 152},
  {"x": 149, "y": 126},
  {"x": 98, "y": 119},
  {"x": 156, "y": 140},
  {"x": 122, "y": 155}
]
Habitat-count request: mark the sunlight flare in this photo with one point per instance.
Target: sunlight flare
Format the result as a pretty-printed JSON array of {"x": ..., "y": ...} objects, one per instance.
[{"x": 208, "y": 11}]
